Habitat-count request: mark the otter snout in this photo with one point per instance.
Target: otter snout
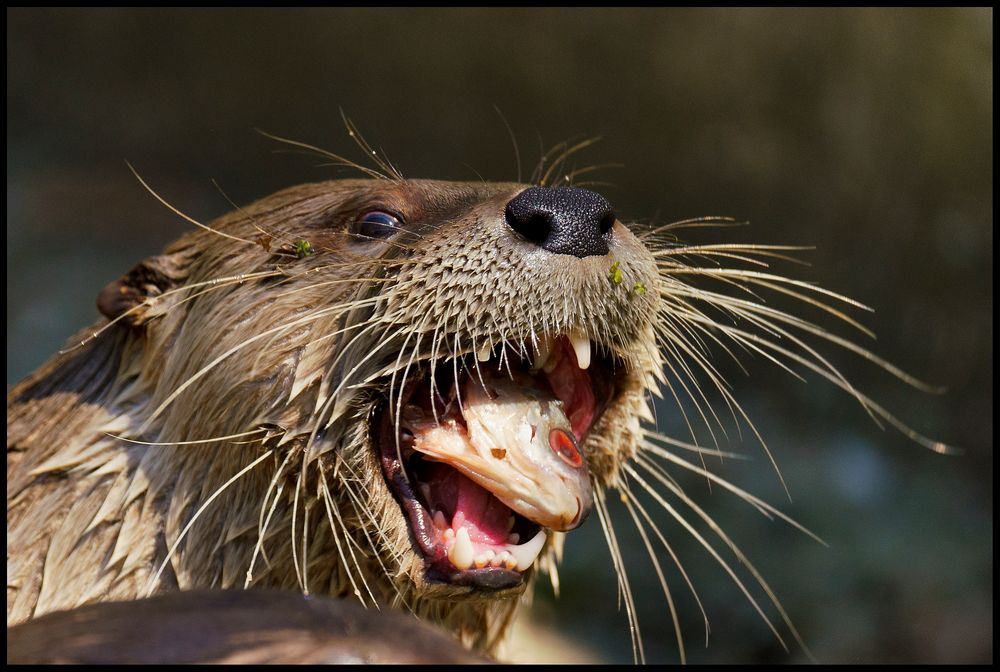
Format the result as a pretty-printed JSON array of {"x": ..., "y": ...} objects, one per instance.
[{"x": 563, "y": 220}]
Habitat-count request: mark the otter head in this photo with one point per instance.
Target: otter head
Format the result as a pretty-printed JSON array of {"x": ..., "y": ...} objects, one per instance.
[{"x": 438, "y": 379}]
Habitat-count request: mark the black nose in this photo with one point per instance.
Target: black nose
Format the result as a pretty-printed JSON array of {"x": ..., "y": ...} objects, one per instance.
[{"x": 563, "y": 220}]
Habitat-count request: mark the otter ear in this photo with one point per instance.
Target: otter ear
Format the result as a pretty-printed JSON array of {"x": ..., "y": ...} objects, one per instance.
[{"x": 147, "y": 280}]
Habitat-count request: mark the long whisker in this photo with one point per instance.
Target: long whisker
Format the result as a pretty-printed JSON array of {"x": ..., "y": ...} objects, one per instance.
[
  {"x": 181, "y": 214},
  {"x": 295, "y": 510},
  {"x": 331, "y": 511},
  {"x": 359, "y": 508},
  {"x": 186, "y": 443},
  {"x": 609, "y": 534},
  {"x": 151, "y": 585},
  {"x": 659, "y": 572},
  {"x": 263, "y": 522},
  {"x": 756, "y": 502},
  {"x": 339, "y": 160},
  {"x": 632, "y": 501},
  {"x": 215, "y": 283},
  {"x": 311, "y": 317},
  {"x": 732, "y": 546}
]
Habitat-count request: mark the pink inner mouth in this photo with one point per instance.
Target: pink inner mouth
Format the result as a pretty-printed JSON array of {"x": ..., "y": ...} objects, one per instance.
[
  {"x": 464, "y": 502},
  {"x": 441, "y": 501},
  {"x": 572, "y": 386}
]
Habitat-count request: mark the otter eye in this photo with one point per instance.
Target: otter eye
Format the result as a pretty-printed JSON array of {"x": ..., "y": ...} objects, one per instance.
[{"x": 377, "y": 224}]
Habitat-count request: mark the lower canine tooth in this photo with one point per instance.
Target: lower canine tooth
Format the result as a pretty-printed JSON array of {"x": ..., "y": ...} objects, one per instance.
[
  {"x": 526, "y": 553},
  {"x": 461, "y": 551}
]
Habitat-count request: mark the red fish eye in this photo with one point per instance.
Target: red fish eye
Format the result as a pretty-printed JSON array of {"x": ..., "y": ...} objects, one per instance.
[{"x": 564, "y": 445}]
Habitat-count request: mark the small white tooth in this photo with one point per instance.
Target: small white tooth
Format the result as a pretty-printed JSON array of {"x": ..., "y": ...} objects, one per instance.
[
  {"x": 449, "y": 534},
  {"x": 581, "y": 346},
  {"x": 526, "y": 553},
  {"x": 483, "y": 354},
  {"x": 510, "y": 523},
  {"x": 514, "y": 538},
  {"x": 551, "y": 365},
  {"x": 544, "y": 351},
  {"x": 481, "y": 561},
  {"x": 496, "y": 561},
  {"x": 439, "y": 520},
  {"x": 461, "y": 552}
]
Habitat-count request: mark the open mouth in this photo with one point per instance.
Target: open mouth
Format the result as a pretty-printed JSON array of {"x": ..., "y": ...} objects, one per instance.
[{"x": 486, "y": 455}]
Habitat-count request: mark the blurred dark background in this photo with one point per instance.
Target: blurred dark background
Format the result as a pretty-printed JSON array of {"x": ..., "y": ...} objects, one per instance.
[{"x": 865, "y": 132}]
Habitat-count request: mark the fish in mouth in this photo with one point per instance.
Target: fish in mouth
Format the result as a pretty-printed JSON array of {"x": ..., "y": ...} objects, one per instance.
[{"x": 487, "y": 457}]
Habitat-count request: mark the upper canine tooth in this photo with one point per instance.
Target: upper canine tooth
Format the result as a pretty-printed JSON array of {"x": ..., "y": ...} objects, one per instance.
[
  {"x": 581, "y": 346},
  {"x": 483, "y": 353}
]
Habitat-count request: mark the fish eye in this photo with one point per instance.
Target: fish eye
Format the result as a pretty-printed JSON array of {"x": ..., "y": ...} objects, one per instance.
[{"x": 377, "y": 224}]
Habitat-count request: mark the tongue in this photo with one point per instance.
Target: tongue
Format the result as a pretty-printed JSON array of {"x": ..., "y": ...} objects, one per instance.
[{"x": 469, "y": 505}]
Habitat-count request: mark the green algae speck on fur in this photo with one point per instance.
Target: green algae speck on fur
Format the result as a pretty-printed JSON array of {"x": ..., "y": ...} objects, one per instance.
[
  {"x": 303, "y": 248},
  {"x": 615, "y": 274}
]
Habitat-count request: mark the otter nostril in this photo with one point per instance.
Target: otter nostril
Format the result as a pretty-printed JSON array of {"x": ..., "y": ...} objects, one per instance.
[
  {"x": 562, "y": 220},
  {"x": 532, "y": 224},
  {"x": 606, "y": 223}
]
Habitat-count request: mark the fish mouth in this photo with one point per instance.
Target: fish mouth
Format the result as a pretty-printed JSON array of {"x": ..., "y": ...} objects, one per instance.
[{"x": 485, "y": 454}]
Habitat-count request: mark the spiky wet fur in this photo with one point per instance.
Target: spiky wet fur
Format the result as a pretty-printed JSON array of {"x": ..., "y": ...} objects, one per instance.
[{"x": 216, "y": 433}]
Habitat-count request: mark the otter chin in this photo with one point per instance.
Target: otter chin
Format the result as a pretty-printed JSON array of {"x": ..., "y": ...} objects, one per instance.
[{"x": 401, "y": 392}]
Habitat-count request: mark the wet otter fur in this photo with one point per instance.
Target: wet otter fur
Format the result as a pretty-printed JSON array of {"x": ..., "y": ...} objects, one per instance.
[
  {"x": 225, "y": 425},
  {"x": 230, "y": 626}
]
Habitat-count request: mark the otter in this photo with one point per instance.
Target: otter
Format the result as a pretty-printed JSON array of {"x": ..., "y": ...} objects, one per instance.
[
  {"x": 402, "y": 392},
  {"x": 230, "y": 626}
]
